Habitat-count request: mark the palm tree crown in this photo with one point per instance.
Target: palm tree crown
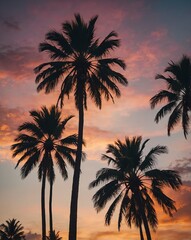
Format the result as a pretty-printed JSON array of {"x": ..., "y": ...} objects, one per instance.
[
  {"x": 42, "y": 141},
  {"x": 12, "y": 230},
  {"x": 132, "y": 182},
  {"x": 178, "y": 95},
  {"x": 81, "y": 62}
]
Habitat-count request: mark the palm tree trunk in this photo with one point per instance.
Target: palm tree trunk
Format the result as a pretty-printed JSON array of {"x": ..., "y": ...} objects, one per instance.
[
  {"x": 142, "y": 212},
  {"x": 50, "y": 208},
  {"x": 43, "y": 206},
  {"x": 76, "y": 176},
  {"x": 147, "y": 230},
  {"x": 141, "y": 232}
]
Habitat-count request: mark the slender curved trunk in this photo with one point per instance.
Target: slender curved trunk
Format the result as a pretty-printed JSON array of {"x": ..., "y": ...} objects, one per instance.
[
  {"x": 76, "y": 176},
  {"x": 50, "y": 208},
  {"x": 141, "y": 232},
  {"x": 146, "y": 226},
  {"x": 43, "y": 206},
  {"x": 142, "y": 212}
]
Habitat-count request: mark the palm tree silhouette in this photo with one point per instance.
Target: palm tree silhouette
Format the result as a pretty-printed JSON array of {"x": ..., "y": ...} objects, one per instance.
[
  {"x": 39, "y": 142},
  {"x": 81, "y": 62},
  {"x": 12, "y": 230},
  {"x": 53, "y": 236},
  {"x": 177, "y": 95},
  {"x": 133, "y": 182}
]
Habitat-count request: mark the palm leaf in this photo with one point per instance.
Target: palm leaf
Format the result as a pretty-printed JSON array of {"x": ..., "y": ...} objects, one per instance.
[
  {"x": 174, "y": 118},
  {"x": 112, "y": 208},
  {"x": 104, "y": 194},
  {"x": 54, "y": 52},
  {"x": 150, "y": 158}
]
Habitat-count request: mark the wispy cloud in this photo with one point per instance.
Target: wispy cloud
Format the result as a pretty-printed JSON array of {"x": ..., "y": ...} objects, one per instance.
[{"x": 14, "y": 25}]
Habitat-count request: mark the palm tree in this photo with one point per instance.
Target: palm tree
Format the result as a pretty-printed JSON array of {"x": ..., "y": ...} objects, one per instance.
[
  {"x": 12, "y": 230},
  {"x": 133, "y": 182},
  {"x": 54, "y": 236},
  {"x": 177, "y": 95},
  {"x": 40, "y": 142},
  {"x": 82, "y": 64}
]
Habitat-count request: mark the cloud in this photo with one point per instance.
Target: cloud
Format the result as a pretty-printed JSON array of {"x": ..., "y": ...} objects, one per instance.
[
  {"x": 32, "y": 236},
  {"x": 10, "y": 119},
  {"x": 13, "y": 25},
  {"x": 183, "y": 166},
  {"x": 159, "y": 34},
  {"x": 173, "y": 233},
  {"x": 17, "y": 64},
  {"x": 112, "y": 235}
]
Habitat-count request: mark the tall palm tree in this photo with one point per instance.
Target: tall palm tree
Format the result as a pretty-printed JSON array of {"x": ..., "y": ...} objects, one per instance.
[
  {"x": 177, "y": 95},
  {"x": 41, "y": 142},
  {"x": 82, "y": 63},
  {"x": 133, "y": 182},
  {"x": 12, "y": 230}
]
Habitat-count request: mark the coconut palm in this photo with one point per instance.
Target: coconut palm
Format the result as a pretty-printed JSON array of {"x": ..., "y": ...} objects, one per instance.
[
  {"x": 83, "y": 66},
  {"x": 12, "y": 230},
  {"x": 133, "y": 183},
  {"x": 41, "y": 142},
  {"x": 177, "y": 95},
  {"x": 53, "y": 236}
]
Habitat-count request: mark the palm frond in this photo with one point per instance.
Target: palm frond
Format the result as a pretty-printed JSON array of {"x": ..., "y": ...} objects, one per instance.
[
  {"x": 174, "y": 118},
  {"x": 50, "y": 82},
  {"x": 109, "y": 43},
  {"x": 31, "y": 128},
  {"x": 167, "y": 178},
  {"x": 104, "y": 194},
  {"x": 61, "y": 41},
  {"x": 185, "y": 120},
  {"x": 150, "y": 158},
  {"x": 165, "y": 110},
  {"x": 123, "y": 208},
  {"x": 30, "y": 164},
  {"x": 112, "y": 61},
  {"x": 54, "y": 52},
  {"x": 104, "y": 175},
  {"x": 111, "y": 209},
  {"x": 62, "y": 165},
  {"x": 165, "y": 202},
  {"x": 66, "y": 153},
  {"x": 161, "y": 96}
]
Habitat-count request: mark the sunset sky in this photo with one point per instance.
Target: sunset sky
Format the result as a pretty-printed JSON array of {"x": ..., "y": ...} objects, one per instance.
[{"x": 152, "y": 33}]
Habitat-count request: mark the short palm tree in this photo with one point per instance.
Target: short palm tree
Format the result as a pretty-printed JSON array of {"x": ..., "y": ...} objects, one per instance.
[
  {"x": 41, "y": 142},
  {"x": 81, "y": 63},
  {"x": 177, "y": 95},
  {"x": 53, "y": 236},
  {"x": 12, "y": 230},
  {"x": 132, "y": 183}
]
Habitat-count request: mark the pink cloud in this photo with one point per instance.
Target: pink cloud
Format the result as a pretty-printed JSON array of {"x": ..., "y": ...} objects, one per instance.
[
  {"x": 18, "y": 64},
  {"x": 159, "y": 34}
]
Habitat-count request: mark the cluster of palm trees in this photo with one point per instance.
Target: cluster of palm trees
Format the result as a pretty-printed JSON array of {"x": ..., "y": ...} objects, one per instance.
[
  {"x": 13, "y": 230},
  {"x": 84, "y": 67}
]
